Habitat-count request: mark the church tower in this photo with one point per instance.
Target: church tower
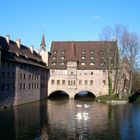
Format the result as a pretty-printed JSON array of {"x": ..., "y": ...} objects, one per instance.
[
  {"x": 43, "y": 44},
  {"x": 43, "y": 51}
]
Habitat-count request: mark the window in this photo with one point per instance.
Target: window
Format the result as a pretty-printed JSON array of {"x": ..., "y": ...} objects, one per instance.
[
  {"x": 86, "y": 82},
  {"x": 80, "y": 82},
  {"x": 91, "y": 82},
  {"x": 69, "y": 82},
  {"x": 24, "y": 86},
  {"x": 7, "y": 86},
  {"x": 62, "y": 63},
  {"x": 8, "y": 75},
  {"x": 92, "y": 57},
  {"x": 74, "y": 82},
  {"x": 52, "y": 82},
  {"x": 62, "y": 57},
  {"x": 54, "y": 52},
  {"x": 54, "y": 58},
  {"x": 83, "y": 57},
  {"x": 91, "y": 73},
  {"x": 8, "y": 64},
  {"x": 20, "y": 86},
  {"x": 83, "y": 52},
  {"x": 71, "y": 73},
  {"x": 83, "y": 63},
  {"x": 91, "y": 52},
  {"x": 13, "y": 75},
  {"x": 91, "y": 64},
  {"x": 53, "y": 63},
  {"x": 2, "y": 86},
  {"x": 102, "y": 63},
  {"x": 24, "y": 76},
  {"x": 3, "y": 64},
  {"x": 58, "y": 82},
  {"x": 63, "y": 82},
  {"x": 104, "y": 82},
  {"x": 3, "y": 75},
  {"x": 63, "y": 52},
  {"x": 102, "y": 52}
]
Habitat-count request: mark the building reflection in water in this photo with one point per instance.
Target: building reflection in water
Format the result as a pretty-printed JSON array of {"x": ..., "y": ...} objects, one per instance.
[
  {"x": 77, "y": 119},
  {"x": 68, "y": 119}
]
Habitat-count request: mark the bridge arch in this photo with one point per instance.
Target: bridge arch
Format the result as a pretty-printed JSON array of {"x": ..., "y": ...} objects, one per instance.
[
  {"x": 82, "y": 93},
  {"x": 58, "y": 93}
]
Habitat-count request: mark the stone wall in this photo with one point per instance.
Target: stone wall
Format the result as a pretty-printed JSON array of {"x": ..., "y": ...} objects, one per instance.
[
  {"x": 22, "y": 83},
  {"x": 94, "y": 81}
]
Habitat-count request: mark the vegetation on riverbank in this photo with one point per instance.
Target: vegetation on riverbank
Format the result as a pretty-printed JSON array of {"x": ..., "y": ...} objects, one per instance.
[{"x": 115, "y": 97}]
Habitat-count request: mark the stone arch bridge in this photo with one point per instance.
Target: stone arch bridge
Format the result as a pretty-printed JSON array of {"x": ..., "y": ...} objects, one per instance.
[{"x": 73, "y": 91}]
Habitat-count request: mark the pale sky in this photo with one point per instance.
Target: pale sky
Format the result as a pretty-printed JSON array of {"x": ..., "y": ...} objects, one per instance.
[{"x": 63, "y": 20}]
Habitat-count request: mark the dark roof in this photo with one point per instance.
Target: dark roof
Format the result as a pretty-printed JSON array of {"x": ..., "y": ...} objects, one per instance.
[
  {"x": 21, "y": 53},
  {"x": 81, "y": 51}
]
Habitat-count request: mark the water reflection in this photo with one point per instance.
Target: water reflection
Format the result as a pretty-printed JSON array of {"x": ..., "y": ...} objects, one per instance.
[{"x": 70, "y": 119}]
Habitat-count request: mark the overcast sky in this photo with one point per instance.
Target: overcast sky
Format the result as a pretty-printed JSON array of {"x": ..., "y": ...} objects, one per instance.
[{"x": 65, "y": 19}]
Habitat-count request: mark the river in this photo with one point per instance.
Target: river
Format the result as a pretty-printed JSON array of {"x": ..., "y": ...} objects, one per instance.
[{"x": 70, "y": 120}]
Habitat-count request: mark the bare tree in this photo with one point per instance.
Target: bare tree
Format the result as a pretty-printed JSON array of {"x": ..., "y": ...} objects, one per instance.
[
  {"x": 108, "y": 54},
  {"x": 130, "y": 43}
]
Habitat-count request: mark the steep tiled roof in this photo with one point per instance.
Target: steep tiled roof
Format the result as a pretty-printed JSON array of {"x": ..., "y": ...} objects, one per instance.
[
  {"x": 86, "y": 53},
  {"x": 43, "y": 44},
  {"x": 20, "y": 53}
]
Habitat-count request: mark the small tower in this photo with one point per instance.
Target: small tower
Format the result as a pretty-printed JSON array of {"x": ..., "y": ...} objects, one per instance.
[
  {"x": 43, "y": 51},
  {"x": 43, "y": 44}
]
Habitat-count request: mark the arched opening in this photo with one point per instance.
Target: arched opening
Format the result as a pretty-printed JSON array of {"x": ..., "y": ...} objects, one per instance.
[
  {"x": 59, "y": 94},
  {"x": 85, "y": 96}
]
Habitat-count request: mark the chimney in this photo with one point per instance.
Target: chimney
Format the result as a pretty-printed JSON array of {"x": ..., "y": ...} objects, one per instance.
[
  {"x": 32, "y": 48},
  {"x": 18, "y": 42},
  {"x": 8, "y": 38}
]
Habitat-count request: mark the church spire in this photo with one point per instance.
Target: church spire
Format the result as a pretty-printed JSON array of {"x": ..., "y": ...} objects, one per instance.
[{"x": 43, "y": 44}]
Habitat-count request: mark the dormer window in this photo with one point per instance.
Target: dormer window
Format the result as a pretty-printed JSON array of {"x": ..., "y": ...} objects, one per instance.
[
  {"x": 83, "y": 52},
  {"x": 102, "y": 52},
  {"x": 91, "y": 52},
  {"x": 83, "y": 57},
  {"x": 102, "y": 63},
  {"x": 91, "y": 64},
  {"x": 62, "y": 57},
  {"x": 92, "y": 57}
]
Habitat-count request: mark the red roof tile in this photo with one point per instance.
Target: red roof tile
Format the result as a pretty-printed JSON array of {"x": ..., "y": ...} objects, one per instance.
[{"x": 80, "y": 51}]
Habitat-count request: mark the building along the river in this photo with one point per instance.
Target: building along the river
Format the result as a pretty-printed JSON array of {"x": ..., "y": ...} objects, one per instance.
[
  {"x": 23, "y": 74},
  {"x": 77, "y": 66}
]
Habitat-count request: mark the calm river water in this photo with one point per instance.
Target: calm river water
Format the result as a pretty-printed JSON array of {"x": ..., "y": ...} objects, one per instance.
[{"x": 70, "y": 120}]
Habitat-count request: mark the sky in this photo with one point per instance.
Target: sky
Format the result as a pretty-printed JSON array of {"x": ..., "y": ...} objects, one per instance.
[{"x": 65, "y": 20}]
